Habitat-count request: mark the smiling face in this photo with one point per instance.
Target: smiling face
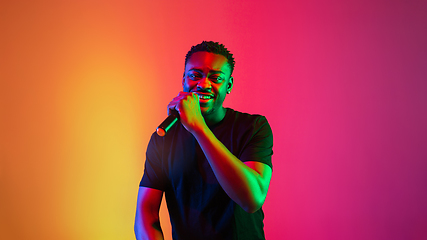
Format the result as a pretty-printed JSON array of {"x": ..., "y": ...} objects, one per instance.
[{"x": 208, "y": 75}]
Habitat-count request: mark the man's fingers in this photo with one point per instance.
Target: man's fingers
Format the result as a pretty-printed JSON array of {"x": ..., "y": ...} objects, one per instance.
[{"x": 177, "y": 101}]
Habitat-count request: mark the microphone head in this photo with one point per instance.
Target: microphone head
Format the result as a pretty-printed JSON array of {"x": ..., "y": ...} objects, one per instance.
[
  {"x": 168, "y": 123},
  {"x": 161, "y": 132}
]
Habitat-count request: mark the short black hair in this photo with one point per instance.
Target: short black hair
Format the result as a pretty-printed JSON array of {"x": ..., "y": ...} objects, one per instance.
[{"x": 212, "y": 47}]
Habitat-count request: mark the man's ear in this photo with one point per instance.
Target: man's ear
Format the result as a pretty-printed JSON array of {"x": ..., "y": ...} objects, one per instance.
[{"x": 230, "y": 84}]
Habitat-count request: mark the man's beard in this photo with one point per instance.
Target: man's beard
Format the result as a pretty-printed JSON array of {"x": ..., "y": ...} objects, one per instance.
[
  {"x": 214, "y": 108},
  {"x": 208, "y": 112}
]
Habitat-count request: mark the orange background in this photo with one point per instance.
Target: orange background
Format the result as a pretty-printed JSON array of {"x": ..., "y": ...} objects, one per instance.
[{"x": 342, "y": 83}]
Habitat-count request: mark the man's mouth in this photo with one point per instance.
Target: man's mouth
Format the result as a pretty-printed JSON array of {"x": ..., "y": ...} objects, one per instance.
[{"x": 204, "y": 96}]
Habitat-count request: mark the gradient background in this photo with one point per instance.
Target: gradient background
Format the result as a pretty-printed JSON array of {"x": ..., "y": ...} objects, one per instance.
[{"x": 342, "y": 83}]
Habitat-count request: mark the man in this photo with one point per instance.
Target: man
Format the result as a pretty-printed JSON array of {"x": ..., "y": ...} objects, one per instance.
[{"x": 214, "y": 167}]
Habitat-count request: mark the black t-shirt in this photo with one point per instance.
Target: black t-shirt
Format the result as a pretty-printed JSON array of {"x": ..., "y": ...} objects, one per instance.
[{"x": 198, "y": 206}]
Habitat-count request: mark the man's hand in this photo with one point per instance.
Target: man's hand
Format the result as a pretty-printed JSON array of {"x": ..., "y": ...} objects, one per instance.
[{"x": 188, "y": 107}]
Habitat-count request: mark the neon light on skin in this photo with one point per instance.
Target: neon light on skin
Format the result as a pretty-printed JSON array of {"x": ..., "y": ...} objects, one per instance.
[{"x": 209, "y": 76}]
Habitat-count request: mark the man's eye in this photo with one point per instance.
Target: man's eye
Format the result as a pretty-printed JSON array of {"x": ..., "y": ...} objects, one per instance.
[
  {"x": 193, "y": 76},
  {"x": 216, "y": 78}
]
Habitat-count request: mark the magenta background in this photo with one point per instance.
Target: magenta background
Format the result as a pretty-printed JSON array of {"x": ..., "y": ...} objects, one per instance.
[{"x": 342, "y": 83}]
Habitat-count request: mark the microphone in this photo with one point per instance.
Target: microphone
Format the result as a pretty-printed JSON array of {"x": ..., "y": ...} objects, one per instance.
[{"x": 168, "y": 123}]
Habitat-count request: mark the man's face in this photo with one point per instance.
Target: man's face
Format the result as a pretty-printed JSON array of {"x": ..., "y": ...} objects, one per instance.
[{"x": 208, "y": 75}]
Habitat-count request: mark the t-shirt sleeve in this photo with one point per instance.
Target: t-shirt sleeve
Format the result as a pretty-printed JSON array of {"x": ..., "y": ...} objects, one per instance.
[
  {"x": 260, "y": 145},
  {"x": 154, "y": 176}
]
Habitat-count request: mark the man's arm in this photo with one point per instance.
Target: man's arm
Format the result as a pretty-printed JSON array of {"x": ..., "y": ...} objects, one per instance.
[
  {"x": 147, "y": 224},
  {"x": 244, "y": 182}
]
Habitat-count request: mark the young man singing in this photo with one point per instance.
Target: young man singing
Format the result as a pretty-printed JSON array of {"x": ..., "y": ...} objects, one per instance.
[{"x": 214, "y": 166}]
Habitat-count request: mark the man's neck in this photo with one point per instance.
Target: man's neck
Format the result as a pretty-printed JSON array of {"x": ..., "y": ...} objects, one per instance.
[{"x": 214, "y": 118}]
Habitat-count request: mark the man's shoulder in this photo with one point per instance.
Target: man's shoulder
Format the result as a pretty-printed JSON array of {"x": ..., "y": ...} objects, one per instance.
[{"x": 245, "y": 117}]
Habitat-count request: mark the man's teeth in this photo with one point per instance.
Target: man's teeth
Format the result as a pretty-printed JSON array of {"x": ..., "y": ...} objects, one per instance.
[{"x": 205, "y": 97}]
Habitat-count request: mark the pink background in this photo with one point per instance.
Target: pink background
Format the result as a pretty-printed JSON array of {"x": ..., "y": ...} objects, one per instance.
[{"x": 342, "y": 83}]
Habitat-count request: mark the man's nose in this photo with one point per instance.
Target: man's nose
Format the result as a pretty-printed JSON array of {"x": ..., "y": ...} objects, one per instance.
[{"x": 204, "y": 83}]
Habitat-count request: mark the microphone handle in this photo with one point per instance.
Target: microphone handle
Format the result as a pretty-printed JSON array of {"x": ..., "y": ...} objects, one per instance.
[{"x": 168, "y": 123}]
